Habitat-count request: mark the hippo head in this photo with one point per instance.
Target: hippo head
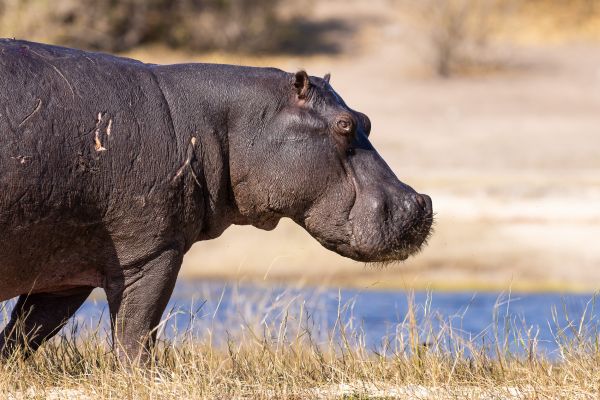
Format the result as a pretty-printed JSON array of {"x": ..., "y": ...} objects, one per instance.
[{"x": 310, "y": 159}]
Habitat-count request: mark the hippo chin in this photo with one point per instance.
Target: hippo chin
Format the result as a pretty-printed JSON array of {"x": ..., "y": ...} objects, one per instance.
[{"x": 111, "y": 169}]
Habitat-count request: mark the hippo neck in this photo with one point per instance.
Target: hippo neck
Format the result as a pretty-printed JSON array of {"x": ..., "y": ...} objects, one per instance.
[{"x": 209, "y": 104}]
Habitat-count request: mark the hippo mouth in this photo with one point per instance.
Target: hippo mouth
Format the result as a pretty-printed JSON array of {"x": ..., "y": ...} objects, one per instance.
[
  {"x": 410, "y": 242},
  {"x": 375, "y": 232}
]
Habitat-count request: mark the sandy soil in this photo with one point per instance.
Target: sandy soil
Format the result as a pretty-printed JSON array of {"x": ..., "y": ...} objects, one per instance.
[
  {"x": 359, "y": 390},
  {"x": 510, "y": 158}
]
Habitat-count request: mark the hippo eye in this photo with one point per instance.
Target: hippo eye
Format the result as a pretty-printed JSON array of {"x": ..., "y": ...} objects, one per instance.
[{"x": 345, "y": 126}]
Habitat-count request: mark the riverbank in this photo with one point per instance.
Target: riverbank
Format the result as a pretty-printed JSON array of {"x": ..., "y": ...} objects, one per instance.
[{"x": 286, "y": 356}]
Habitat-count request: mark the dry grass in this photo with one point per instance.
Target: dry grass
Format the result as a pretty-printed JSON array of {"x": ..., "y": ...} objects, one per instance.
[{"x": 280, "y": 353}]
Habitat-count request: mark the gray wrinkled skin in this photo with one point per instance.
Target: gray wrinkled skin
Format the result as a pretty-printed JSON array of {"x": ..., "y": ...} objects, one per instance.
[{"x": 110, "y": 169}]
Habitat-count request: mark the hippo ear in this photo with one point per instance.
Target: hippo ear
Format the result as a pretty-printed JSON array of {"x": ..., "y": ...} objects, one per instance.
[
  {"x": 327, "y": 77},
  {"x": 302, "y": 84}
]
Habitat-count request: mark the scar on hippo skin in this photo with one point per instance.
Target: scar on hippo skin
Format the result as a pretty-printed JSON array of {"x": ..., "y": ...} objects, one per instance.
[
  {"x": 38, "y": 105},
  {"x": 22, "y": 159},
  {"x": 187, "y": 162},
  {"x": 54, "y": 67},
  {"x": 97, "y": 143}
]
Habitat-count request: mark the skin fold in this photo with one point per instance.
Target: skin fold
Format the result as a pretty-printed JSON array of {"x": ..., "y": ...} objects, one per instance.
[{"x": 110, "y": 169}]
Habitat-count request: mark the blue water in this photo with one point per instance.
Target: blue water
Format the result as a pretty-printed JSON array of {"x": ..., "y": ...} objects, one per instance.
[{"x": 220, "y": 309}]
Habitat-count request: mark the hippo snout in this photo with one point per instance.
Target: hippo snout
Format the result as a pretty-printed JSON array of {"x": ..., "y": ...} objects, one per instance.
[
  {"x": 391, "y": 227},
  {"x": 422, "y": 219},
  {"x": 424, "y": 203}
]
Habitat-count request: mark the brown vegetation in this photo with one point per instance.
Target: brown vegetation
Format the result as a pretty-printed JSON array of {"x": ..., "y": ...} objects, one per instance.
[
  {"x": 456, "y": 32},
  {"x": 248, "y": 25},
  {"x": 460, "y": 36}
]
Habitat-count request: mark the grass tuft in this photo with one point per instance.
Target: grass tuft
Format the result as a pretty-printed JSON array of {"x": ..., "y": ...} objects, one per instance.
[{"x": 279, "y": 352}]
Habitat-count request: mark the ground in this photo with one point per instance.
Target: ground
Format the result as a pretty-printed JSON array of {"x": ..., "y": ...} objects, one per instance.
[{"x": 511, "y": 158}]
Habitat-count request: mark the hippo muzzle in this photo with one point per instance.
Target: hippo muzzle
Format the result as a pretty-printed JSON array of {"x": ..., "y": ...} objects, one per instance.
[
  {"x": 387, "y": 220},
  {"x": 390, "y": 229}
]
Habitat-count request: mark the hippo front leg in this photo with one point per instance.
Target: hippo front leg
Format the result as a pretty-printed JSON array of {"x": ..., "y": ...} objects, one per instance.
[{"x": 137, "y": 302}]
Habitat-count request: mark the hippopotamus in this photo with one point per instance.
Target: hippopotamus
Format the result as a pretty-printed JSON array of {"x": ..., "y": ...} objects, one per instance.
[{"x": 111, "y": 168}]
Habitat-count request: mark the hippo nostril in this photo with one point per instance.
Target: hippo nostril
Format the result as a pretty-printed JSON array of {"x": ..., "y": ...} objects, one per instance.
[
  {"x": 420, "y": 201},
  {"x": 424, "y": 202}
]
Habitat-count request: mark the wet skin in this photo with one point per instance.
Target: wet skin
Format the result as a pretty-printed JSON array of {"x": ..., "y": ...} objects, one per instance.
[{"x": 110, "y": 169}]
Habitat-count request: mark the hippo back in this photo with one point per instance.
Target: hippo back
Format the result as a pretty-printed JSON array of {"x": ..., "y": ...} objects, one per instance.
[{"x": 80, "y": 132}]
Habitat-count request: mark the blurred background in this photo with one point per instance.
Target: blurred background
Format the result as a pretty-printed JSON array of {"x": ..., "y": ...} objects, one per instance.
[{"x": 491, "y": 107}]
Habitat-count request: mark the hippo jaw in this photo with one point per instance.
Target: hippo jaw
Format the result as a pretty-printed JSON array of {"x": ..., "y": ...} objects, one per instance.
[
  {"x": 392, "y": 227},
  {"x": 375, "y": 231},
  {"x": 377, "y": 248}
]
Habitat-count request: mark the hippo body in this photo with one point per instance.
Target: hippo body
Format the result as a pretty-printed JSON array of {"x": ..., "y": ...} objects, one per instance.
[{"x": 110, "y": 169}]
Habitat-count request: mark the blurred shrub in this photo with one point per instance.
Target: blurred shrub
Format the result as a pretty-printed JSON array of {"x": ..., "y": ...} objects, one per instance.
[
  {"x": 456, "y": 32},
  {"x": 118, "y": 25}
]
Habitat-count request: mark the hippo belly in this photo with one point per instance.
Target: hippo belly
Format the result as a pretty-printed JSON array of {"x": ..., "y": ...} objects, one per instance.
[{"x": 50, "y": 257}]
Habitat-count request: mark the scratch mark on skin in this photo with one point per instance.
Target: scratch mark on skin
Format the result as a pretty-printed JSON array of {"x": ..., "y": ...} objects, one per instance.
[
  {"x": 195, "y": 178},
  {"x": 66, "y": 80},
  {"x": 55, "y": 69},
  {"x": 97, "y": 143},
  {"x": 109, "y": 127},
  {"x": 31, "y": 114},
  {"x": 22, "y": 159},
  {"x": 180, "y": 170},
  {"x": 187, "y": 162}
]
